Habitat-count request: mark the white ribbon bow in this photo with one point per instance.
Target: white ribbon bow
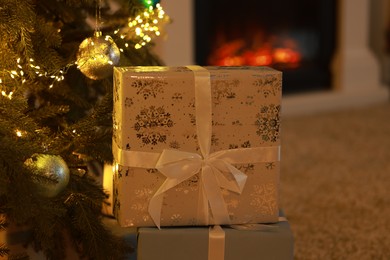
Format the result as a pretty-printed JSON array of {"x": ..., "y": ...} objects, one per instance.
[{"x": 179, "y": 166}]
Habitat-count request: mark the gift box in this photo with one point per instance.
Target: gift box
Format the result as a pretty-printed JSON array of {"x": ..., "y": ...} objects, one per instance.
[
  {"x": 244, "y": 242},
  {"x": 196, "y": 145},
  {"x": 267, "y": 241}
]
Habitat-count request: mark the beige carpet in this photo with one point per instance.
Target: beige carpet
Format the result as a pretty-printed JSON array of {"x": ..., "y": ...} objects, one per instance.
[{"x": 335, "y": 183}]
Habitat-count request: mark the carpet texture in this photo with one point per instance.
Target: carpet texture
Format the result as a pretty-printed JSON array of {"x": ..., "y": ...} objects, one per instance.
[{"x": 335, "y": 183}]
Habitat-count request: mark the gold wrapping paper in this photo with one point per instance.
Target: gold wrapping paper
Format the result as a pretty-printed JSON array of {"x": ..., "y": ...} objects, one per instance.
[{"x": 154, "y": 110}]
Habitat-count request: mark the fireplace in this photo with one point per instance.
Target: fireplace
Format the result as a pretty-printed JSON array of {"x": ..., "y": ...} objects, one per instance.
[
  {"x": 296, "y": 37},
  {"x": 354, "y": 69}
]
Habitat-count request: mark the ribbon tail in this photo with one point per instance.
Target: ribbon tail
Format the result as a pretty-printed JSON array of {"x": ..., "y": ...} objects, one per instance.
[
  {"x": 214, "y": 196},
  {"x": 238, "y": 175},
  {"x": 156, "y": 202},
  {"x": 222, "y": 169},
  {"x": 155, "y": 206},
  {"x": 203, "y": 207}
]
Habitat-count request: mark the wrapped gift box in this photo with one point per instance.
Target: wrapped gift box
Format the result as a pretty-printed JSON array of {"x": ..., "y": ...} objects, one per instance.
[
  {"x": 196, "y": 146},
  {"x": 275, "y": 241},
  {"x": 244, "y": 242}
]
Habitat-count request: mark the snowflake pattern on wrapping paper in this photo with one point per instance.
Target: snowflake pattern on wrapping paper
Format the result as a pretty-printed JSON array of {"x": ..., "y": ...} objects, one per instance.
[
  {"x": 245, "y": 168},
  {"x": 246, "y": 144},
  {"x": 214, "y": 140},
  {"x": 177, "y": 96},
  {"x": 233, "y": 146},
  {"x": 149, "y": 87},
  {"x": 268, "y": 85},
  {"x": 129, "y": 222},
  {"x": 190, "y": 184},
  {"x": 263, "y": 198},
  {"x": 230, "y": 203},
  {"x": 270, "y": 165},
  {"x": 224, "y": 89},
  {"x": 192, "y": 103},
  {"x": 142, "y": 195},
  {"x": 151, "y": 124},
  {"x": 249, "y": 100},
  {"x": 175, "y": 218},
  {"x": 192, "y": 119},
  {"x": 174, "y": 145},
  {"x": 268, "y": 122},
  {"x": 237, "y": 123},
  {"x": 128, "y": 102}
]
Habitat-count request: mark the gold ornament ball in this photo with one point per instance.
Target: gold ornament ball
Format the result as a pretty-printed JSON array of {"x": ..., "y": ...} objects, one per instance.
[
  {"x": 97, "y": 56},
  {"x": 51, "y": 174}
]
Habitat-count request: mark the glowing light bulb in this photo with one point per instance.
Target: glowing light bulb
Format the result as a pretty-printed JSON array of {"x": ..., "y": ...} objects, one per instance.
[{"x": 18, "y": 133}]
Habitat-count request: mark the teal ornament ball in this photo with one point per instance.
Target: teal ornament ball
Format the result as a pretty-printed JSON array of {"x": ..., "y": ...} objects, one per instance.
[
  {"x": 50, "y": 174},
  {"x": 97, "y": 56}
]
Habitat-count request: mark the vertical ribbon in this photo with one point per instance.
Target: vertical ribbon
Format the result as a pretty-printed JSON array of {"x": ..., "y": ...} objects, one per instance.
[
  {"x": 216, "y": 243},
  {"x": 203, "y": 129},
  {"x": 209, "y": 184}
]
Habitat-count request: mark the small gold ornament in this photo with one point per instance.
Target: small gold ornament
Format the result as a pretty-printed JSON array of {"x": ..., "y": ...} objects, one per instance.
[
  {"x": 97, "y": 56},
  {"x": 50, "y": 174}
]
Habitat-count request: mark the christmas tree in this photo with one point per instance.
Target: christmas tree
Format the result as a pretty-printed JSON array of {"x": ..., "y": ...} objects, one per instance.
[{"x": 56, "y": 60}]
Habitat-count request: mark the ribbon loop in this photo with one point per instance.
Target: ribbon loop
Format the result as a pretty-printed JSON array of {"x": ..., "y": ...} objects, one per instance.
[{"x": 178, "y": 164}]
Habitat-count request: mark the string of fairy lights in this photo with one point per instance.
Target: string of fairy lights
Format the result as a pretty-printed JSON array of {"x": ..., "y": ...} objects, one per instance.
[
  {"x": 145, "y": 26},
  {"x": 140, "y": 30},
  {"x": 20, "y": 74}
]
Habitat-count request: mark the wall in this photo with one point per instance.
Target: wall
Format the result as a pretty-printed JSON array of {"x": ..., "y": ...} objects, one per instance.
[{"x": 357, "y": 77}]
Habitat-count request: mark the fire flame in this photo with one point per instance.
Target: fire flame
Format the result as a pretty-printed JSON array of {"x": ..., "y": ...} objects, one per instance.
[{"x": 237, "y": 53}]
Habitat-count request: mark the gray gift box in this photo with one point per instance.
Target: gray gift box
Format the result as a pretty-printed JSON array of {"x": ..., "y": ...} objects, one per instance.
[
  {"x": 272, "y": 241},
  {"x": 269, "y": 241}
]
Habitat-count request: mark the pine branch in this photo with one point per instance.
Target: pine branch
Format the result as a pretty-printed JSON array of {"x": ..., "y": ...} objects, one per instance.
[
  {"x": 14, "y": 17},
  {"x": 90, "y": 236},
  {"x": 4, "y": 251},
  {"x": 3, "y": 223},
  {"x": 91, "y": 135},
  {"x": 49, "y": 111},
  {"x": 18, "y": 23},
  {"x": 49, "y": 232}
]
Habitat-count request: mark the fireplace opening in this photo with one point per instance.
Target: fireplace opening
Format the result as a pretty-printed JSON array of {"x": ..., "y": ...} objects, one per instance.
[{"x": 296, "y": 37}]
